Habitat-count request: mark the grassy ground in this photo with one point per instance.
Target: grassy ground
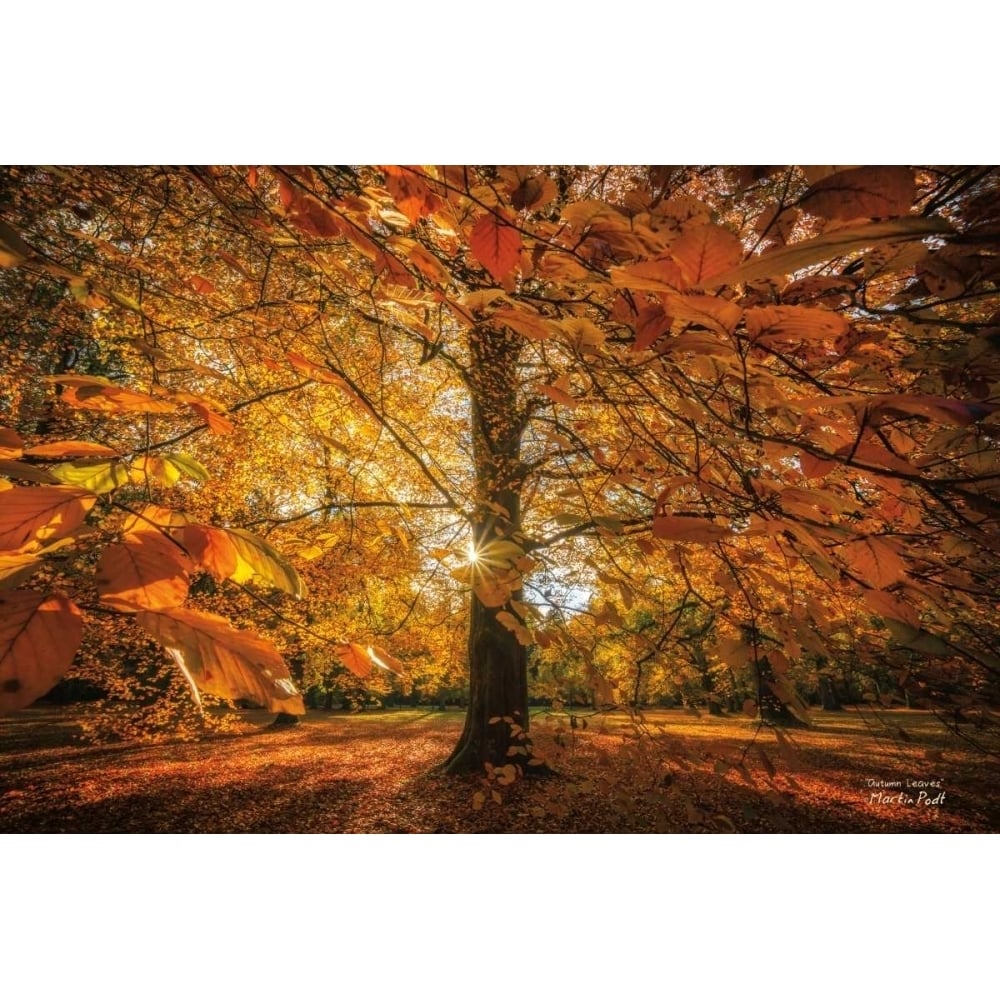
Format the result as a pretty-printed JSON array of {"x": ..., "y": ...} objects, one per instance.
[{"x": 373, "y": 772}]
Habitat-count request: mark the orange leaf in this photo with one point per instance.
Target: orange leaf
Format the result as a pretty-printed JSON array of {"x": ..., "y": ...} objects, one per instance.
[
  {"x": 201, "y": 285},
  {"x": 87, "y": 392},
  {"x": 146, "y": 572},
  {"x": 355, "y": 658},
  {"x": 875, "y": 561},
  {"x": 410, "y": 193},
  {"x": 11, "y": 444},
  {"x": 71, "y": 449},
  {"x": 559, "y": 392},
  {"x": 154, "y": 518},
  {"x": 705, "y": 251},
  {"x": 39, "y": 637},
  {"x": 659, "y": 275},
  {"x": 212, "y": 549},
  {"x": 651, "y": 323},
  {"x": 767, "y": 324},
  {"x": 496, "y": 245},
  {"x": 41, "y": 512},
  {"x": 888, "y": 606},
  {"x": 221, "y": 660},
  {"x": 217, "y": 423}
]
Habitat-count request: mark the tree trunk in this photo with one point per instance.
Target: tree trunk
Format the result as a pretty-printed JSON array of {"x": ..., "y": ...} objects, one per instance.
[
  {"x": 498, "y": 663},
  {"x": 828, "y": 696},
  {"x": 498, "y": 690}
]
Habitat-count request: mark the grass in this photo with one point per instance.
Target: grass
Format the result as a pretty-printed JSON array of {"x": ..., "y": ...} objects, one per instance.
[{"x": 373, "y": 772}]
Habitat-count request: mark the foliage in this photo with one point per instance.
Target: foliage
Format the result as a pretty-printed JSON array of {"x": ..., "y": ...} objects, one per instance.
[{"x": 699, "y": 432}]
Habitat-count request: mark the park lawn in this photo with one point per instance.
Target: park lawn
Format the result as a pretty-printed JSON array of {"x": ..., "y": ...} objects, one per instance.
[{"x": 854, "y": 771}]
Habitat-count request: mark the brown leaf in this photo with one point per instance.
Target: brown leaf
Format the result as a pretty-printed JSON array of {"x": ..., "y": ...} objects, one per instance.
[
  {"x": 11, "y": 443},
  {"x": 39, "y": 637},
  {"x": 862, "y": 192},
  {"x": 688, "y": 529}
]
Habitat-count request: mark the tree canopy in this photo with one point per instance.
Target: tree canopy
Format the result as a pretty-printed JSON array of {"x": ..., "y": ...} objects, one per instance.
[{"x": 629, "y": 430}]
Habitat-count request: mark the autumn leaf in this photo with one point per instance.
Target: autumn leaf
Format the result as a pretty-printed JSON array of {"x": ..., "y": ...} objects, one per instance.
[
  {"x": 688, "y": 529},
  {"x": 524, "y": 636},
  {"x": 41, "y": 512},
  {"x": 218, "y": 659},
  {"x": 804, "y": 253},
  {"x": 39, "y": 637},
  {"x": 559, "y": 392},
  {"x": 767, "y": 324},
  {"x": 257, "y": 558},
  {"x": 702, "y": 252},
  {"x": 26, "y": 473},
  {"x": 355, "y": 657},
  {"x": 70, "y": 449},
  {"x": 212, "y": 549},
  {"x": 87, "y": 392},
  {"x": 496, "y": 245},
  {"x": 875, "y": 560},
  {"x": 889, "y": 606},
  {"x": 217, "y": 423},
  {"x": 145, "y": 572},
  {"x": 383, "y": 658},
  {"x": 94, "y": 475},
  {"x": 11, "y": 443},
  {"x": 410, "y": 192},
  {"x": 153, "y": 517},
  {"x": 201, "y": 284},
  {"x": 862, "y": 192}
]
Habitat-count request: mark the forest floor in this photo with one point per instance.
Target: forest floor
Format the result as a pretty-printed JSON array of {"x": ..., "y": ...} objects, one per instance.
[{"x": 855, "y": 771}]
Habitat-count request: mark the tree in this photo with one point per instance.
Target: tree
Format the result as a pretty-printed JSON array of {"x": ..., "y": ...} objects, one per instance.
[{"x": 771, "y": 390}]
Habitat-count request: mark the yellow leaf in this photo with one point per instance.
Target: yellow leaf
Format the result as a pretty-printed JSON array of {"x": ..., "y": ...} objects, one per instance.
[
  {"x": 94, "y": 475},
  {"x": 258, "y": 558},
  {"x": 221, "y": 660}
]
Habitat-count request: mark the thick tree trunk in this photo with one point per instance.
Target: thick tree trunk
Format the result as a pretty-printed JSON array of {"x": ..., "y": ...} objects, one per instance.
[
  {"x": 498, "y": 663},
  {"x": 498, "y": 691}
]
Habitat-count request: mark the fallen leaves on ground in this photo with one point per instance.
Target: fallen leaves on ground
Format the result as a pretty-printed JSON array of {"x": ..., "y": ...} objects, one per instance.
[{"x": 374, "y": 773}]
